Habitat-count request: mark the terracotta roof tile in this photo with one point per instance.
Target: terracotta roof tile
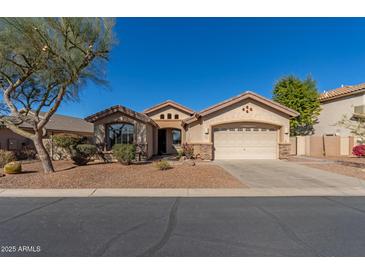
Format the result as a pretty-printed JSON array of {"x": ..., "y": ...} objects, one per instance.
[
  {"x": 118, "y": 108},
  {"x": 169, "y": 103},
  {"x": 341, "y": 92}
]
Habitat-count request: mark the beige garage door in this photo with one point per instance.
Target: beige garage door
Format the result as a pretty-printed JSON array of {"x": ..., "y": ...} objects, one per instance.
[{"x": 245, "y": 143}]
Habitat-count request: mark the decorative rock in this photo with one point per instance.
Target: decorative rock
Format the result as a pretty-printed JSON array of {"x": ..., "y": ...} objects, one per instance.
[{"x": 13, "y": 168}]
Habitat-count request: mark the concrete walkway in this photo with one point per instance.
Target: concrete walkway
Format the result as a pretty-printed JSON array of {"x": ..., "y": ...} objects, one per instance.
[
  {"x": 184, "y": 192},
  {"x": 284, "y": 174}
]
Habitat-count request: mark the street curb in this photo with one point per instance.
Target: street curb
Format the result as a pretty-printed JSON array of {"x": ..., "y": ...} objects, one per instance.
[{"x": 183, "y": 192}]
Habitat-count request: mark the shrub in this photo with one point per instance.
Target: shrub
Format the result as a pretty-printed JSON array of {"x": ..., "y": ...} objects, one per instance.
[
  {"x": 82, "y": 153},
  {"x": 180, "y": 153},
  {"x": 13, "y": 168},
  {"x": 359, "y": 150},
  {"x": 66, "y": 141},
  {"x": 26, "y": 153},
  {"x": 188, "y": 151},
  {"x": 163, "y": 165},
  {"x": 124, "y": 153},
  {"x": 6, "y": 157}
]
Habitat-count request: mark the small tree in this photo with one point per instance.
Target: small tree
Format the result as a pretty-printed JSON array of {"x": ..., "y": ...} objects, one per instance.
[
  {"x": 45, "y": 61},
  {"x": 355, "y": 125},
  {"x": 301, "y": 96}
]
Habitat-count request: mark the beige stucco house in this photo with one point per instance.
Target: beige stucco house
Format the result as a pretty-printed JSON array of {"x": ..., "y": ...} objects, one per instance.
[
  {"x": 248, "y": 126},
  {"x": 346, "y": 100}
]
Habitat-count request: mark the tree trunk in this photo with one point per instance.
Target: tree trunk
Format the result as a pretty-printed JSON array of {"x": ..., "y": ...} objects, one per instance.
[{"x": 43, "y": 154}]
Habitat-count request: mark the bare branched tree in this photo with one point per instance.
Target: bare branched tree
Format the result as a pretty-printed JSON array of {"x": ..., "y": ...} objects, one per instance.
[
  {"x": 45, "y": 61},
  {"x": 355, "y": 125}
]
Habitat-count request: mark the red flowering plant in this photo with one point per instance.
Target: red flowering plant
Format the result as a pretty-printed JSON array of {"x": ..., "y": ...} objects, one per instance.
[
  {"x": 359, "y": 150},
  {"x": 188, "y": 151}
]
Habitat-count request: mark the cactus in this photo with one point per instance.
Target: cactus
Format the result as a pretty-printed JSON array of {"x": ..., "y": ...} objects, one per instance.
[{"x": 13, "y": 168}]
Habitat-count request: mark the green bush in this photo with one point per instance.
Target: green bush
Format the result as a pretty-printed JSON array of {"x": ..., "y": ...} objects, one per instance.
[
  {"x": 163, "y": 165},
  {"x": 6, "y": 157},
  {"x": 82, "y": 153},
  {"x": 180, "y": 153},
  {"x": 66, "y": 141},
  {"x": 124, "y": 153},
  {"x": 13, "y": 168}
]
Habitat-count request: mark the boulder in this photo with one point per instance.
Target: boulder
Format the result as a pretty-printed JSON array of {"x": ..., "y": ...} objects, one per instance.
[{"x": 13, "y": 168}]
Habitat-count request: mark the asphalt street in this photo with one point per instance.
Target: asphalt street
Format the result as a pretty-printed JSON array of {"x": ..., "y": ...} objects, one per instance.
[{"x": 293, "y": 226}]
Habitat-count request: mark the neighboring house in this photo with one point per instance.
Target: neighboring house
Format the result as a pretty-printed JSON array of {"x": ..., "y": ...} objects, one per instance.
[
  {"x": 247, "y": 126},
  {"x": 346, "y": 100},
  {"x": 58, "y": 124}
]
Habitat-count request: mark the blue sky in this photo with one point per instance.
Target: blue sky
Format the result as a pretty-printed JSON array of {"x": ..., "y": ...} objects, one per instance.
[{"x": 201, "y": 61}]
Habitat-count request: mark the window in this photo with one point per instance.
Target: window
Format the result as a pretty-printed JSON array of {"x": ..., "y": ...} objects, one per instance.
[
  {"x": 169, "y": 116},
  {"x": 176, "y": 116},
  {"x": 120, "y": 134},
  {"x": 12, "y": 144},
  {"x": 162, "y": 116},
  {"x": 176, "y": 136}
]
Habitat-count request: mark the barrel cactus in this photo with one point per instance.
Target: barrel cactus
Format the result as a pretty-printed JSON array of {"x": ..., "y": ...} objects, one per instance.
[{"x": 13, "y": 168}]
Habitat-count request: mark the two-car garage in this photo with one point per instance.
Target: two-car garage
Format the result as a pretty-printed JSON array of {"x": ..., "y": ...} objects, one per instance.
[
  {"x": 245, "y": 142},
  {"x": 247, "y": 126}
]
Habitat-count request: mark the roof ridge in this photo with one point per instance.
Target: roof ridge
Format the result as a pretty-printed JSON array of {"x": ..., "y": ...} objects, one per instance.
[
  {"x": 341, "y": 92},
  {"x": 232, "y": 100},
  {"x": 169, "y": 101}
]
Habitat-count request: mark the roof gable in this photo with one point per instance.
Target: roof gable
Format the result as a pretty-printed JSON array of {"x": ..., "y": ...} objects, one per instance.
[
  {"x": 239, "y": 98},
  {"x": 168, "y": 103},
  {"x": 122, "y": 109},
  {"x": 342, "y": 92}
]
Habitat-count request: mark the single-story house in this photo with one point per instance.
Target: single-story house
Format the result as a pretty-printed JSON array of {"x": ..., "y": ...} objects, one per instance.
[
  {"x": 248, "y": 126},
  {"x": 58, "y": 124},
  {"x": 345, "y": 100}
]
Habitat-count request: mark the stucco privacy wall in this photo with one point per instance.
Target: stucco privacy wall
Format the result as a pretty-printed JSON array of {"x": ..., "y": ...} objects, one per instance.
[
  {"x": 333, "y": 111},
  {"x": 323, "y": 145},
  {"x": 201, "y": 131},
  {"x": 140, "y": 129}
]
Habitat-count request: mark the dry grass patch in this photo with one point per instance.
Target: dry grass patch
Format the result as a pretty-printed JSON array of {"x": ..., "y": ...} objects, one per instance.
[{"x": 115, "y": 175}]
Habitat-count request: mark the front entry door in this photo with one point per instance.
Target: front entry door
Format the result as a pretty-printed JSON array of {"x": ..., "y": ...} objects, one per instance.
[{"x": 161, "y": 141}]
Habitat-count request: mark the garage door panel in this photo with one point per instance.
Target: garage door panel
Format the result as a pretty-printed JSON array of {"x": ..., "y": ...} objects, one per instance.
[{"x": 247, "y": 143}]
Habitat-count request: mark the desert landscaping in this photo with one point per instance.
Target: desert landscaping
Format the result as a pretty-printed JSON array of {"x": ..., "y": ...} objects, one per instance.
[{"x": 116, "y": 175}]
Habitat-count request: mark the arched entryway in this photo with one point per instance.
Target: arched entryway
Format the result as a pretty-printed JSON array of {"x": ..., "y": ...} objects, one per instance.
[
  {"x": 245, "y": 141},
  {"x": 169, "y": 140}
]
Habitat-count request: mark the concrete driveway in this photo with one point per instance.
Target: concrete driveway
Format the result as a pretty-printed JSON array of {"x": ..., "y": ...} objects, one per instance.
[{"x": 284, "y": 174}]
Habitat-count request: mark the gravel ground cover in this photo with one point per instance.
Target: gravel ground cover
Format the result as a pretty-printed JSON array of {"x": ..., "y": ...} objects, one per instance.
[
  {"x": 340, "y": 169},
  {"x": 330, "y": 164},
  {"x": 115, "y": 175}
]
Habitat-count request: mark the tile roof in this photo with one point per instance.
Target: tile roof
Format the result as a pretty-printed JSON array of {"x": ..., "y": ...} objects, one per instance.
[
  {"x": 341, "y": 92},
  {"x": 169, "y": 103},
  {"x": 238, "y": 98},
  {"x": 66, "y": 123},
  {"x": 118, "y": 108}
]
